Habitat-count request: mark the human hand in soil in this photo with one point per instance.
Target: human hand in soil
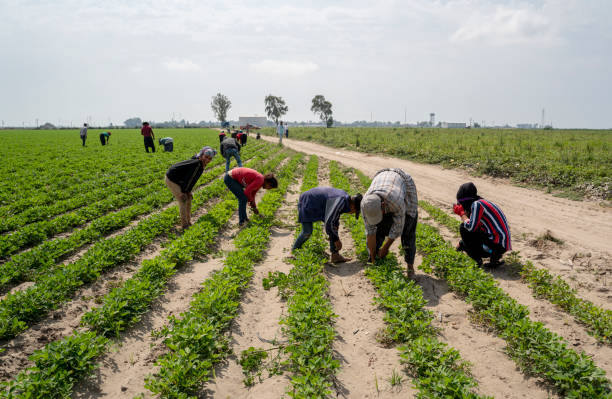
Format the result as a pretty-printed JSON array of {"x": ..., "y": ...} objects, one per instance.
[{"x": 382, "y": 252}]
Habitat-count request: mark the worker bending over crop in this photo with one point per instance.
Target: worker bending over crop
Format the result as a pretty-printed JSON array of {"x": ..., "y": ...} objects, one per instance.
[
  {"x": 484, "y": 228},
  {"x": 325, "y": 204},
  {"x": 104, "y": 137},
  {"x": 244, "y": 184},
  {"x": 182, "y": 176},
  {"x": 230, "y": 148},
  {"x": 221, "y": 136},
  {"x": 389, "y": 209}
]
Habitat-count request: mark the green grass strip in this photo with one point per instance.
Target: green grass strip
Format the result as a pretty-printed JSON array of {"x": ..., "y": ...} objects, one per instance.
[
  {"x": 598, "y": 321},
  {"x": 439, "y": 371},
  {"x": 121, "y": 308},
  {"x": 196, "y": 340}
]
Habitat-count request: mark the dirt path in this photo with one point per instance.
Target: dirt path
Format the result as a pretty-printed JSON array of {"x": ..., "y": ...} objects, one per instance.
[
  {"x": 257, "y": 321},
  {"x": 585, "y": 227},
  {"x": 366, "y": 365}
]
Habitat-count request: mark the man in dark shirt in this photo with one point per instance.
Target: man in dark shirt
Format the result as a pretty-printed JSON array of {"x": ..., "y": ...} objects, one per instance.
[
  {"x": 182, "y": 176},
  {"x": 148, "y": 134},
  {"x": 325, "y": 204}
]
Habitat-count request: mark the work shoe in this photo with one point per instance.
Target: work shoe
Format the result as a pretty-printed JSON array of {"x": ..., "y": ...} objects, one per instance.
[{"x": 337, "y": 258}]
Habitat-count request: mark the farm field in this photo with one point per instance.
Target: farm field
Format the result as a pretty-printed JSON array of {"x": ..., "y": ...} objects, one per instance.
[
  {"x": 101, "y": 295},
  {"x": 573, "y": 163}
]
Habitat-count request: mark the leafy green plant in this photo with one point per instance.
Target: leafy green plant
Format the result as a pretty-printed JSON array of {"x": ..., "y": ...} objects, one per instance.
[{"x": 252, "y": 360}]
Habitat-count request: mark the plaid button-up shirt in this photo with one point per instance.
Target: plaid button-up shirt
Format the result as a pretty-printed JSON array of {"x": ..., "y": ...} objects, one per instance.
[{"x": 396, "y": 188}]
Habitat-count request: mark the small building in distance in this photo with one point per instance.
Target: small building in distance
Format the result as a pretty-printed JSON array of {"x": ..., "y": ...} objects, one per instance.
[
  {"x": 259, "y": 121},
  {"x": 453, "y": 125},
  {"x": 527, "y": 125}
]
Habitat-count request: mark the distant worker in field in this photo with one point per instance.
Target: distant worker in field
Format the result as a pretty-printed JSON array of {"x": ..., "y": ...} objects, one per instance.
[
  {"x": 484, "y": 231},
  {"x": 244, "y": 184},
  {"x": 168, "y": 143},
  {"x": 182, "y": 177},
  {"x": 280, "y": 130},
  {"x": 243, "y": 138},
  {"x": 149, "y": 136},
  {"x": 390, "y": 209},
  {"x": 84, "y": 133},
  {"x": 325, "y": 204},
  {"x": 104, "y": 137},
  {"x": 221, "y": 136},
  {"x": 286, "y": 131},
  {"x": 230, "y": 148}
]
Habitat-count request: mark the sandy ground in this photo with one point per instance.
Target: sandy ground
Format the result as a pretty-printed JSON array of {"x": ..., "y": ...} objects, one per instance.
[{"x": 585, "y": 258}]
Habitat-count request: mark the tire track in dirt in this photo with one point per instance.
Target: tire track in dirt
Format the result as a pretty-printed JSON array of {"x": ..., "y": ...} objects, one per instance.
[{"x": 257, "y": 322}]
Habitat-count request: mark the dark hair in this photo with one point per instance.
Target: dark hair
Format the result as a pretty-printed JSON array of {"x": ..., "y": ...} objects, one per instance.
[
  {"x": 356, "y": 200},
  {"x": 145, "y": 123},
  {"x": 467, "y": 195},
  {"x": 84, "y": 124},
  {"x": 270, "y": 180}
]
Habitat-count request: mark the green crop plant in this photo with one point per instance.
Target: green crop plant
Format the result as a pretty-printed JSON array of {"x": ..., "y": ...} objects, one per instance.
[
  {"x": 597, "y": 320},
  {"x": 438, "y": 371},
  {"x": 196, "y": 340}
]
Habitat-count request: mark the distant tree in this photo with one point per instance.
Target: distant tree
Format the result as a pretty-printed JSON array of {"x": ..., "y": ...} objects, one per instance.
[
  {"x": 47, "y": 126},
  {"x": 322, "y": 108},
  {"x": 476, "y": 124},
  {"x": 133, "y": 122},
  {"x": 275, "y": 107},
  {"x": 220, "y": 104}
]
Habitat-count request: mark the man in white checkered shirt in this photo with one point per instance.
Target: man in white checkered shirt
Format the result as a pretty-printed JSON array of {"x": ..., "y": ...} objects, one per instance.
[{"x": 390, "y": 209}]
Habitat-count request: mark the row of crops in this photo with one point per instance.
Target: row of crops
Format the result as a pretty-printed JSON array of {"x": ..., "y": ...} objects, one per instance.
[{"x": 196, "y": 341}]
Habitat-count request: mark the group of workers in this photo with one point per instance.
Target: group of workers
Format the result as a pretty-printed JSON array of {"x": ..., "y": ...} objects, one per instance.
[
  {"x": 389, "y": 209},
  {"x": 146, "y": 131}
]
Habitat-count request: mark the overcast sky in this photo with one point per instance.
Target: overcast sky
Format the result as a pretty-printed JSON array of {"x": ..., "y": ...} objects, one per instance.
[{"x": 498, "y": 61}]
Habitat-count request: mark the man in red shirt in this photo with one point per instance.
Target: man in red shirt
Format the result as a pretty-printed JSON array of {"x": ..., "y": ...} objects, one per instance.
[
  {"x": 244, "y": 184},
  {"x": 149, "y": 136}
]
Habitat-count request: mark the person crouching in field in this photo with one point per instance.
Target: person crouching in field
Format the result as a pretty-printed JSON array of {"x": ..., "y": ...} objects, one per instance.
[
  {"x": 104, "y": 137},
  {"x": 390, "y": 209},
  {"x": 325, "y": 204},
  {"x": 84, "y": 133},
  {"x": 244, "y": 184},
  {"x": 484, "y": 228},
  {"x": 182, "y": 176},
  {"x": 149, "y": 136},
  {"x": 221, "y": 136}
]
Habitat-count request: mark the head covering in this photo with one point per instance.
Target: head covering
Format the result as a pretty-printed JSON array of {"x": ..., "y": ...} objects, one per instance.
[
  {"x": 357, "y": 200},
  {"x": 371, "y": 209},
  {"x": 466, "y": 195},
  {"x": 209, "y": 151}
]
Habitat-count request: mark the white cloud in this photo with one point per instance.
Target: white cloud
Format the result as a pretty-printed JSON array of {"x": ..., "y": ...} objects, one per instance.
[
  {"x": 285, "y": 68},
  {"x": 136, "y": 69},
  {"x": 181, "y": 65},
  {"x": 506, "y": 26}
]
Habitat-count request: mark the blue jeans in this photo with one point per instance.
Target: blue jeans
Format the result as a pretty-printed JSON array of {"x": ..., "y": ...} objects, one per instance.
[
  {"x": 305, "y": 235},
  {"x": 232, "y": 152},
  {"x": 237, "y": 189}
]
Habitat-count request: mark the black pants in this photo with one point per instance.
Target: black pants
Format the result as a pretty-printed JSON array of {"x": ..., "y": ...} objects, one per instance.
[
  {"x": 84, "y": 138},
  {"x": 148, "y": 142},
  {"x": 102, "y": 139},
  {"x": 473, "y": 242},
  {"x": 408, "y": 235},
  {"x": 221, "y": 139},
  {"x": 243, "y": 140}
]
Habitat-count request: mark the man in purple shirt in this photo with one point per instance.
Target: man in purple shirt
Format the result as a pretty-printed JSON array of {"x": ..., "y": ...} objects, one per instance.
[{"x": 325, "y": 204}]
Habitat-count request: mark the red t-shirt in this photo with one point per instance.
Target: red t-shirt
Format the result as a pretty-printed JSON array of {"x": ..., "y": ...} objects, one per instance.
[
  {"x": 249, "y": 178},
  {"x": 146, "y": 131}
]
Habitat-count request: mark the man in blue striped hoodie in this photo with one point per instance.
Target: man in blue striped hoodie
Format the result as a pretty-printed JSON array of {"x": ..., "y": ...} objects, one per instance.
[
  {"x": 484, "y": 231},
  {"x": 325, "y": 204}
]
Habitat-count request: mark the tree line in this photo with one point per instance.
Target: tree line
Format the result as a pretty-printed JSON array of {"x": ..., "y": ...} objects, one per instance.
[{"x": 275, "y": 107}]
